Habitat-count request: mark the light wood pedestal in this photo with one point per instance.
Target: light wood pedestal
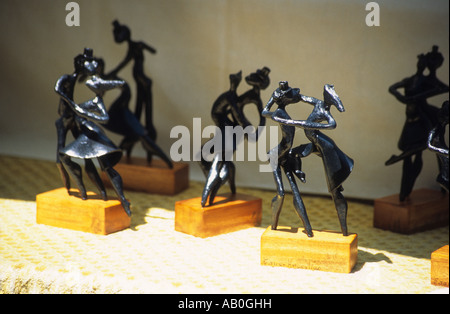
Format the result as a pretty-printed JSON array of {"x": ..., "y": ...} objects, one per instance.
[
  {"x": 59, "y": 209},
  {"x": 326, "y": 250},
  {"x": 228, "y": 213}
]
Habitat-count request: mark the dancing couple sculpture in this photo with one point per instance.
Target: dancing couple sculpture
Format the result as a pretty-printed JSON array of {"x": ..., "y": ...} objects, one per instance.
[
  {"x": 228, "y": 112},
  {"x": 287, "y": 158},
  {"x": 82, "y": 121},
  {"x": 421, "y": 117},
  {"x": 122, "y": 120}
]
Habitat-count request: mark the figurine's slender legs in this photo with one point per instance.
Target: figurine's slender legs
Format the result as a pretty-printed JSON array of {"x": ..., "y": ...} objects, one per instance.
[
  {"x": 277, "y": 201},
  {"x": 411, "y": 170},
  {"x": 214, "y": 189},
  {"x": 341, "y": 208},
  {"x": 61, "y": 134},
  {"x": 64, "y": 175},
  {"x": 213, "y": 179},
  {"x": 75, "y": 171},
  {"x": 95, "y": 178},
  {"x": 144, "y": 98},
  {"x": 227, "y": 173},
  {"x": 117, "y": 184},
  {"x": 298, "y": 204}
]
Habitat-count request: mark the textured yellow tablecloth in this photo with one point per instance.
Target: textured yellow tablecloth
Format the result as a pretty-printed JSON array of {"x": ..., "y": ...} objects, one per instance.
[{"x": 151, "y": 257}]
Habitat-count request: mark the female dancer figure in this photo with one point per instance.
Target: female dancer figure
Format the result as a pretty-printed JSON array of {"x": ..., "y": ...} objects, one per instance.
[
  {"x": 221, "y": 169},
  {"x": 228, "y": 111},
  {"x": 420, "y": 117},
  {"x": 122, "y": 121},
  {"x": 90, "y": 141},
  {"x": 284, "y": 155},
  {"x": 144, "y": 98}
]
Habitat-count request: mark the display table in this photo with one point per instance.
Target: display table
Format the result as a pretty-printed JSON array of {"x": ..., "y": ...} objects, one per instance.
[{"x": 151, "y": 257}]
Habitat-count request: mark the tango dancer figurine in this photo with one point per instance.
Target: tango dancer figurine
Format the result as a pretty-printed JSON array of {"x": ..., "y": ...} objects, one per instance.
[
  {"x": 436, "y": 143},
  {"x": 337, "y": 165},
  {"x": 144, "y": 97},
  {"x": 90, "y": 140},
  {"x": 122, "y": 121},
  {"x": 228, "y": 111},
  {"x": 421, "y": 117}
]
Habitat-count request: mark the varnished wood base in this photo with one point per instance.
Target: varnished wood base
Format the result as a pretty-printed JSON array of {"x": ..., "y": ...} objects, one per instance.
[
  {"x": 325, "y": 251},
  {"x": 229, "y": 213},
  {"x": 423, "y": 210},
  {"x": 155, "y": 178},
  {"x": 439, "y": 267},
  {"x": 59, "y": 209}
]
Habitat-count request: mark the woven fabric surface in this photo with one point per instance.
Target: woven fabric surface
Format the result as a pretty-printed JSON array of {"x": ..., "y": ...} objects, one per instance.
[{"x": 151, "y": 257}]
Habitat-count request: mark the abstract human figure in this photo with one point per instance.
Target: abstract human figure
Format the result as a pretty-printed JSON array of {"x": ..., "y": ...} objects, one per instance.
[
  {"x": 228, "y": 111},
  {"x": 258, "y": 80},
  {"x": 420, "y": 117},
  {"x": 337, "y": 164},
  {"x": 122, "y": 121},
  {"x": 284, "y": 155},
  {"x": 144, "y": 99},
  {"x": 90, "y": 141},
  {"x": 436, "y": 143}
]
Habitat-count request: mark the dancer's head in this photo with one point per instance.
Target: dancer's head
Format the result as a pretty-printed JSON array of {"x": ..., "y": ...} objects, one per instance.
[
  {"x": 85, "y": 63},
  {"x": 121, "y": 32},
  {"x": 259, "y": 78},
  {"x": 235, "y": 79},
  {"x": 330, "y": 97}
]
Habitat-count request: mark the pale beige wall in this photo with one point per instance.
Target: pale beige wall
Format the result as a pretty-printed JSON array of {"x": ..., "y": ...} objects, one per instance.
[{"x": 200, "y": 42}]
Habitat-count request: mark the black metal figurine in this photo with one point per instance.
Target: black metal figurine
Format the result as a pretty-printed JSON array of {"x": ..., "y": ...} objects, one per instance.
[
  {"x": 90, "y": 140},
  {"x": 421, "y": 117},
  {"x": 337, "y": 165},
  {"x": 122, "y": 121},
  {"x": 144, "y": 98},
  {"x": 228, "y": 111},
  {"x": 436, "y": 143}
]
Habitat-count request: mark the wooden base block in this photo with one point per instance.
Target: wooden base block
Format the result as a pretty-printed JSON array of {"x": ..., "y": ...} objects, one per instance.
[
  {"x": 439, "y": 267},
  {"x": 325, "y": 251},
  {"x": 155, "y": 178},
  {"x": 423, "y": 210},
  {"x": 229, "y": 213},
  {"x": 59, "y": 209}
]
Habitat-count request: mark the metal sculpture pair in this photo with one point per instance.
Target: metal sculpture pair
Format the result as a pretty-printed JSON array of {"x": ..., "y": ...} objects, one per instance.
[
  {"x": 81, "y": 119},
  {"x": 421, "y": 117},
  {"x": 337, "y": 165},
  {"x": 228, "y": 111}
]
